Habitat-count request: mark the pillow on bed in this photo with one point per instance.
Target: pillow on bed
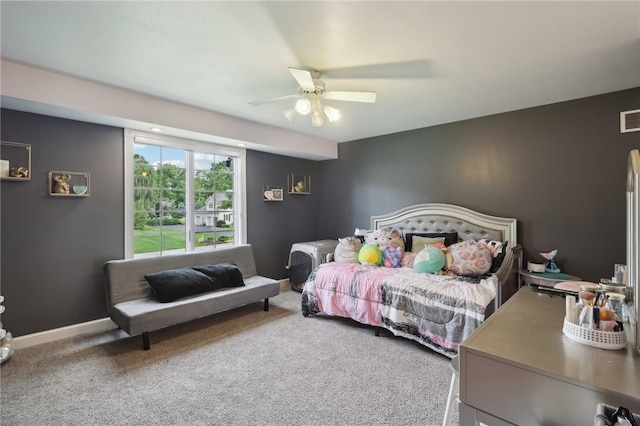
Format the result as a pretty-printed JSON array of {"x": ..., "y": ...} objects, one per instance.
[
  {"x": 226, "y": 273},
  {"x": 498, "y": 251},
  {"x": 385, "y": 237},
  {"x": 469, "y": 258},
  {"x": 407, "y": 259},
  {"x": 347, "y": 250},
  {"x": 391, "y": 244},
  {"x": 418, "y": 243},
  {"x": 361, "y": 234},
  {"x": 449, "y": 238},
  {"x": 370, "y": 254},
  {"x": 430, "y": 260},
  {"x": 173, "y": 284}
]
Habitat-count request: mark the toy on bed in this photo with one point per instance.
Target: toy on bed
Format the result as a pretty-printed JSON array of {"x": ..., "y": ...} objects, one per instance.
[
  {"x": 370, "y": 254},
  {"x": 347, "y": 250},
  {"x": 469, "y": 258},
  {"x": 429, "y": 260},
  {"x": 417, "y": 301},
  {"x": 391, "y": 245}
]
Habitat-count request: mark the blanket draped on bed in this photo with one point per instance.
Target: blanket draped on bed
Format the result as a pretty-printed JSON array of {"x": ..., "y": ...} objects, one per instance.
[{"x": 438, "y": 311}]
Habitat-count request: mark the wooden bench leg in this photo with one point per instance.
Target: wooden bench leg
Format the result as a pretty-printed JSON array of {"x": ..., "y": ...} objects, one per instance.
[
  {"x": 377, "y": 331},
  {"x": 145, "y": 341},
  {"x": 266, "y": 304}
]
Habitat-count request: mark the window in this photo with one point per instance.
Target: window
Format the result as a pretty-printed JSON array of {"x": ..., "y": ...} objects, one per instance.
[{"x": 181, "y": 195}]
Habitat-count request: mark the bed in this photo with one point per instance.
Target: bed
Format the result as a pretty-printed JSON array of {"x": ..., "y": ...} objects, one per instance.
[{"x": 438, "y": 311}]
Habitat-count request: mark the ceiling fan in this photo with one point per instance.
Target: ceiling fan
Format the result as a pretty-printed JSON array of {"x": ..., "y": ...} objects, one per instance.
[{"x": 309, "y": 93}]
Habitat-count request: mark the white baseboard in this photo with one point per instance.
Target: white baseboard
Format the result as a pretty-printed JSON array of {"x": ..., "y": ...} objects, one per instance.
[
  {"x": 95, "y": 326},
  {"x": 284, "y": 284},
  {"x": 47, "y": 336}
]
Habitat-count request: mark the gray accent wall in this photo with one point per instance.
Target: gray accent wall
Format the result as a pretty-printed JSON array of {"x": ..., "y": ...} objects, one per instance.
[
  {"x": 273, "y": 226},
  {"x": 53, "y": 248},
  {"x": 559, "y": 169}
]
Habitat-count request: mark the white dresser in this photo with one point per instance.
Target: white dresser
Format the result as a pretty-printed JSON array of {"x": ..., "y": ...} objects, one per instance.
[{"x": 519, "y": 368}]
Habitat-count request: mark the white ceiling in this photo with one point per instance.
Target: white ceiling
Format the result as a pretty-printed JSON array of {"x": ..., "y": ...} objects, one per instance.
[{"x": 429, "y": 62}]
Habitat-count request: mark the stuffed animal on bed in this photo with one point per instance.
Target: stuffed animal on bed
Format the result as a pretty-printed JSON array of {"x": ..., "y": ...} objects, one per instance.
[
  {"x": 370, "y": 254},
  {"x": 469, "y": 258},
  {"x": 391, "y": 245},
  {"x": 392, "y": 257},
  {"x": 347, "y": 250},
  {"x": 429, "y": 260}
]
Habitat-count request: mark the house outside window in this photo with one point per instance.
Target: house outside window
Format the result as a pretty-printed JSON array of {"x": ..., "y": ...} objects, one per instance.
[{"x": 181, "y": 195}]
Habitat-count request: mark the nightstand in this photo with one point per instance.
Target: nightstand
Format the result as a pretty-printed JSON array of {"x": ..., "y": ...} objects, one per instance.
[{"x": 543, "y": 279}]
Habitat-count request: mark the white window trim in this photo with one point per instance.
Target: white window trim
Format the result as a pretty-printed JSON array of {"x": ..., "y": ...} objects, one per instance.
[{"x": 240, "y": 180}]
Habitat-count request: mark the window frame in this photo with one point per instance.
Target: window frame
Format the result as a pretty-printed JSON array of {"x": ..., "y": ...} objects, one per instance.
[{"x": 239, "y": 184}]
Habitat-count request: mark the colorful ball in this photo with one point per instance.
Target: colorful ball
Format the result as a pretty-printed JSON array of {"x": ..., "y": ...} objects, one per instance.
[{"x": 429, "y": 260}]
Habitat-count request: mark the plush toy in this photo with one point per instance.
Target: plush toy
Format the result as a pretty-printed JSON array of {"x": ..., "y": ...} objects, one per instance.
[
  {"x": 441, "y": 246},
  {"x": 361, "y": 234},
  {"x": 385, "y": 237},
  {"x": 347, "y": 250},
  {"x": 407, "y": 259},
  {"x": 392, "y": 257},
  {"x": 429, "y": 260},
  {"x": 370, "y": 254},
  {"x": 391, "y": 244},
  {"x": 469, "y": 258}
]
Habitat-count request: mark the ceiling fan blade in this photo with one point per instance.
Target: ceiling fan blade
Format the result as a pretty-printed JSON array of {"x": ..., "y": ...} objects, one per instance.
[
  {"x": 304, "y": 79},
  {"x": 368, "y": 97},
  {"x": 268, "y": 101}
]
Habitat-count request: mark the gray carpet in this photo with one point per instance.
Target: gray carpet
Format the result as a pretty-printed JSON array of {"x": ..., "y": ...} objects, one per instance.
[{"x": 241, "y": 367}]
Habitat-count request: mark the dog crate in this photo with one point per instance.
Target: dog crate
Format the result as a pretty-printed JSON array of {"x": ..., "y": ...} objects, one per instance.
[{"x": 304, "y": 257}]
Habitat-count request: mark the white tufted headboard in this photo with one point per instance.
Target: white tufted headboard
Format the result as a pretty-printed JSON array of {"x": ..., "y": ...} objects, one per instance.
[
  {"x": 437, "y": 217},
  {"x": 469, "y": 224}
]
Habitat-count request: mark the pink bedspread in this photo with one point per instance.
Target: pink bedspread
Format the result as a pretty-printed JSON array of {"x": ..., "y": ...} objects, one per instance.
[
  {"x": 348, "y": 290},
  {"x": 437, "y": 311}
]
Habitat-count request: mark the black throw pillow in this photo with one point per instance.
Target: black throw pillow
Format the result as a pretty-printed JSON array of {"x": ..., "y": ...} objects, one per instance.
[
  {"x": 449, "y": 238},
  {"x": 498, "y": 257},
  {"x": 173, "y": 284},
  {"x": 226, "y": 273}
]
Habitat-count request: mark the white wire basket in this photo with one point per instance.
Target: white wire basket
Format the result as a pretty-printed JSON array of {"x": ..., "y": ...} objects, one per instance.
[{"x": 596, "y": 338}]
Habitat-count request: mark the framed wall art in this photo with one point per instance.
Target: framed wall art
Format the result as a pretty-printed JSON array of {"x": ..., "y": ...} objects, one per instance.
[
  {"x": 272, "y": 193},
  {"x": 299, "y": 184}
]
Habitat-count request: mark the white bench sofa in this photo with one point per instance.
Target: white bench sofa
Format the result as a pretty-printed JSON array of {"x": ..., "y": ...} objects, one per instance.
[{"x": 134, "y": 308}]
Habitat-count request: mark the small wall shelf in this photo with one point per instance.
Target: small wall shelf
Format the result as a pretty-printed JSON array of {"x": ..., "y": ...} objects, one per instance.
[
  {"x": 69, "y": 184},
  {"x": 15, "y": 163},
  {"x": 272, "y": 193},
  {"x": 299, "y": 184}
]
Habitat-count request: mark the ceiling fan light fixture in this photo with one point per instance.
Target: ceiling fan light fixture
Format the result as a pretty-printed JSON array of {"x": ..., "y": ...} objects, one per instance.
[
  {"x": 316, "y": 119},
  {"x": 290, "y": 113},
  {"x": 310, "y": 92},
  {"x": 303, "y": 106},
  {"x": 333, "y": 114}
]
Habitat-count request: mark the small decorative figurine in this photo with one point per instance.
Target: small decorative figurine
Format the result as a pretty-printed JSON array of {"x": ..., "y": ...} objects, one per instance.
[
  {"x": 19, "y": 172},
  {"x": 62, "y": 183},
  {"x": 551, "y": 266}
]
